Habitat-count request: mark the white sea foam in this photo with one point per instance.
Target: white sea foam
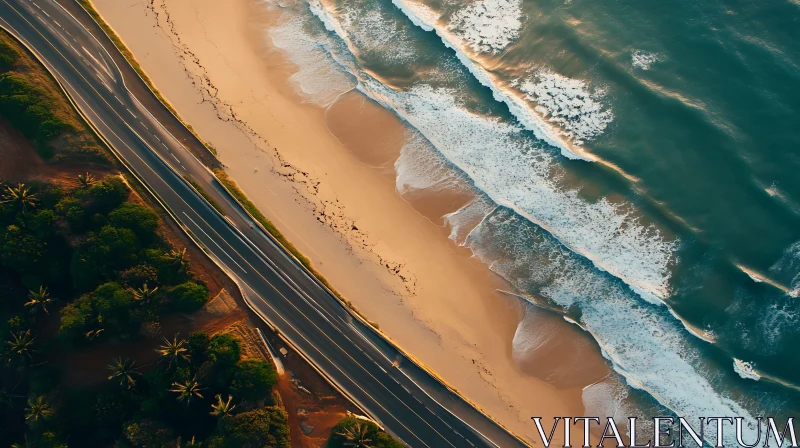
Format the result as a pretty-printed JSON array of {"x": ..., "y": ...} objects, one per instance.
[
  {"x": 514, "y": 174},
  {"x": 504, "y": 164},
  {"x": 568, "y": 103},
  {"x": 425, "y": 18},
  {"x": 642, "y": 342},
  {"x": 374, "y": 33},
  {"x": 488, "y": 25},
  {"x": 463, "y": 220},
  {"x": 318, "y": 78},
  {"x": 421, "y": 167},
  {"x": 644, "y": 59},
  {"x": 745, "y": 370}
]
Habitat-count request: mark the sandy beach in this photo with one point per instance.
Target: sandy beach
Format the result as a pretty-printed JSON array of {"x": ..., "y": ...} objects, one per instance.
[{"x": 325, "y": 176}]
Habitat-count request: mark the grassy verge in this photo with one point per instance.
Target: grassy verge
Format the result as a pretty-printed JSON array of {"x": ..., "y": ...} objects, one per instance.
[
  {"x": 237, "y": 193},
  {"x": 89, "y": 7},
  {"x": 31, "y": 100},
  {"x": 205, "y": 196}
]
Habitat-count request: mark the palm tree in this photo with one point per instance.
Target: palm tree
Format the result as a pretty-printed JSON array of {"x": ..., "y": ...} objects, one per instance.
[
  {"x": 39, "y": 300},
  {"x": 21, "y": 195},
  {"x": 222, "y": 408},
  {"x": 123, "y": 372},
  {"x": 190, "y": 444},
  {"x": 144, "y": 294},
  {"x": 179, "y": 258},
  {"x": 94, "y": 334},
  {"x": 86, "y": 180},
  {"x": 20, "y": 346},
  {"x": 38, "y": 410},
  {"x": 7, "y": 397},
  {"x": 187, "y": 389},
  {"x": 356, "y": 436},
  {"x": 174, "y": 351}
]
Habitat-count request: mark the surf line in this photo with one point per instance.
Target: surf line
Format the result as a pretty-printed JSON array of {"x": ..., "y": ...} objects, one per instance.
[{"x": 664, "y": 432}]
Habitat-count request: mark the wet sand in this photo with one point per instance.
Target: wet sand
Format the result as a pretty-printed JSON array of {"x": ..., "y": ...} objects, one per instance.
[{"x": 325, "y": 177}]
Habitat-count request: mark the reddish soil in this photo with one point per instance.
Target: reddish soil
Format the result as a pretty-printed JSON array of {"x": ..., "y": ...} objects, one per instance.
[{"x": 21, "y": 163}]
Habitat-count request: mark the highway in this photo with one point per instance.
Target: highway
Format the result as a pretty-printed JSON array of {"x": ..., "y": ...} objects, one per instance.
[{"x": 402, "y": 397}]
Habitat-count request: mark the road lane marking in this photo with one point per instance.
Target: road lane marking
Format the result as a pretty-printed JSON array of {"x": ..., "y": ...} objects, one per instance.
[{"x": 212, "y": 240}]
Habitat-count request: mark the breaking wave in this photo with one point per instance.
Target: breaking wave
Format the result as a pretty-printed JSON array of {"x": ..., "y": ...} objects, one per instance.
[{"x": 516, "y": 100}]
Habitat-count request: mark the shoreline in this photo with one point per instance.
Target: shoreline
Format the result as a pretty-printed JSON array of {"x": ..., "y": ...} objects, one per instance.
[{"x": 321, "y": 189}]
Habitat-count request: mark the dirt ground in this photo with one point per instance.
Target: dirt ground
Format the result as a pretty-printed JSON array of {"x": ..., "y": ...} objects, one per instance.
[{"x": 21, "y": 163}]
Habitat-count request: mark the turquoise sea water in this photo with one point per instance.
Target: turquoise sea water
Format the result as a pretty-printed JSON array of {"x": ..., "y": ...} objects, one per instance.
[{"x": 635, "y": 163}]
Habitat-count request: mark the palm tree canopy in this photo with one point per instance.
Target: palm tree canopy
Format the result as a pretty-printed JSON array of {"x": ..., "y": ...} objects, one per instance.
[
  {"x": 38, "y": 410},
  {"x": 20, "y": 195},
  {"x": 86, "y": 180},
  {"x": 123, "y": 371},
  {"x": 39, "y": 300},
  {"x": 20, "y": 346},
  {"x": 187, "y": 389},
  {"x": 222, "y": 408},
  {"x": 144, "y": 294},
  {"x": 356, "y": 436},
  {"x": 174, "y": 350}
]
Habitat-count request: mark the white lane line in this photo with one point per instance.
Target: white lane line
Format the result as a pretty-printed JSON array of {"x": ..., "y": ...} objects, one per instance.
[
  {"x": 176, "y": 159},
  {"x": 129, "y": 111},
  {"x": 58, "y": 24},
  {"x": 154, "y": 135},
  {"x": 120, "y": 101},
  {"x": 213, "y": 241},
  {"x": 145, "y": 126},
  {"x": 162, "y": 144}
]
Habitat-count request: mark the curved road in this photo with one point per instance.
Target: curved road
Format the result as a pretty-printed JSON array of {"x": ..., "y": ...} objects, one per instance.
[{"x": 406, "y": 400}]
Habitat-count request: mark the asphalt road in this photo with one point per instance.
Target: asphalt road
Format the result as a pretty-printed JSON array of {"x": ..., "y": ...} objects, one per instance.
[{"x": 403, "y": 398}]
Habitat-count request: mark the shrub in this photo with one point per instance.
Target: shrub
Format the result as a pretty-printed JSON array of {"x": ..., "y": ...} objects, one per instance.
[
  {"x": 253, "y": 429},
  {"x": 224, "y": 350},
  {"x": 188, "y": 297},
  {"x": 106, "y": 195},
  {"x": 198, "y": 345},
  {"x": 378, "y": 438},
  {"x": 137, "y": 218},
  {"x": 8, "y": 56},
  {"x": 253, "y": 380}
]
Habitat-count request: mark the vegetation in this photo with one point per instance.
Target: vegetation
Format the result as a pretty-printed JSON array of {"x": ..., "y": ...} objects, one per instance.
[
  {"x": 357, "y": 433},
  {"x": 32, "y": 102},
  {"x": 84, "y": 271}
]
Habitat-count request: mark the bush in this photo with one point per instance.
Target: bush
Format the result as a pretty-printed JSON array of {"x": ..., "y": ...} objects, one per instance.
[
  {"x": 265, "y": 427},
  {"x": 28, "y": 109},
  {"x": 8, "y": 56},
  {"x": 188, "y": 297},
  {"x": 137, "y": 218},
  {"x": 107, "y": 308},
  {"x": 103, "y": 252},
  {"x": 106, "y": 195},
  {"x": 224, "y": 350},
  {"x": 379, "y": 439},
  {"x": 253, "y": 380},
  {"x": 198, "y": 345}
]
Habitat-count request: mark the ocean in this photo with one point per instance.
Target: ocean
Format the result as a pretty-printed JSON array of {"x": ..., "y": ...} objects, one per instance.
[{"x": 634, "y": 165}]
